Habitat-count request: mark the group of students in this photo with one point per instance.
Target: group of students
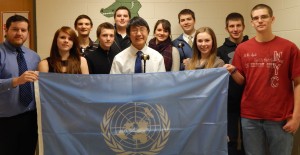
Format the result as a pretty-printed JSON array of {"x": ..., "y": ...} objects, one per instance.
[
  {"x": 112, "y": 51},
  {"x": 263, "y": 90}
]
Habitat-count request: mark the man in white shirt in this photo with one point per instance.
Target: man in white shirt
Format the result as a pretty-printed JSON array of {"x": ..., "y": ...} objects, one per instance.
[{"x": 124, "y": 62}]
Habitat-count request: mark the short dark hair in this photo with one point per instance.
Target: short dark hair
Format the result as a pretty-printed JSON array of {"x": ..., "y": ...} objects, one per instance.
[
  {"x": 83, "y": 17},
  {"x": 136, "y": 21},
  {"x": 186, "y": 12},
  {"x": 262, "y": 6},
  {"x": 122, "y": 8},
  {"x": 105, "y": 25},
  {"x": 234, "y": 16},
  {"x": 16, "y": 18}
]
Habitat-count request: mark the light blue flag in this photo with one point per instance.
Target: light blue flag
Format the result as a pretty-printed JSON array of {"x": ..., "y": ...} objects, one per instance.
[{"x": 173, "y": 113}]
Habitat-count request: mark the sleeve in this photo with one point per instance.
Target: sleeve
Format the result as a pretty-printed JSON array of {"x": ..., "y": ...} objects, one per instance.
[
  {"x": 219, "y": 63},
  {"x": 295, "y": 62},
  {"x": 115, "y": 68},
  {"x": 161, "y": 65},
  {"x": 175, "y": 59},
  {"x": 237, "y": 61},
  {"x": 90, "y": 64},
  {"x": 5, "y": 83},
  {"x": 221, "y": 53}
]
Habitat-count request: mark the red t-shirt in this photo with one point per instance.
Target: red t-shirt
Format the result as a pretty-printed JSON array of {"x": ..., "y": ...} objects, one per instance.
[{"x": 269, "y": 69}]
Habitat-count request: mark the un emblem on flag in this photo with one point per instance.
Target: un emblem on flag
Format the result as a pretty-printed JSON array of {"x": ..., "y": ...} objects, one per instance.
[{"x": 136, "y": 128}]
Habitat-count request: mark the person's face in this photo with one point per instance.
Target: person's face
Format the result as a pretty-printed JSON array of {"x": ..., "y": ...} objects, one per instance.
[
  {"x": 161, "y": 34},
  {"x": 235, "y": 29},
  {"x": 17, "y": 33},
  {"x": 64, "y": 42},
  {"x": 204, "y": 43},
  {"x": 187, "y": 23},
  {"x": 122, "y": 18},
  {"x": 83, "y": 27},
  {"x": 138, "y": 36},
  {"x": 261, "y": 20},
  {"x": 106, "y": 38}
]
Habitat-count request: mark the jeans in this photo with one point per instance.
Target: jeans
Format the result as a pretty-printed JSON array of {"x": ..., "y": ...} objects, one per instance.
[{"x": 263, "y": 137}]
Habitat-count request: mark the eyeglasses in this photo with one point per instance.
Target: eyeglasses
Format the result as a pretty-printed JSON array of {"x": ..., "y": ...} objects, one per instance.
[
  {"x": 136, "y": 30},
  {"x": 262, "y": 17}
]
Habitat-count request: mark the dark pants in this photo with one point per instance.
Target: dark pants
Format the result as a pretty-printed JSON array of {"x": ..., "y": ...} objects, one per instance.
[
  {"x": 234, "y": 130},
  {"x": 18, "y": 134}
]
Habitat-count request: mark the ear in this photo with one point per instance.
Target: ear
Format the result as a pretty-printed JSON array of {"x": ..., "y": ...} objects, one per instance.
[
  {"x": 226, "y": 29},
  {"x": 5, "y": 29},
  {"x": 273, "y": 19},
  {"x": 252, "y": 23}
]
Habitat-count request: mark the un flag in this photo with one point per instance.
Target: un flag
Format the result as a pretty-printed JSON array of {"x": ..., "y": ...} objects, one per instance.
[{"x": 172, "y": 113}]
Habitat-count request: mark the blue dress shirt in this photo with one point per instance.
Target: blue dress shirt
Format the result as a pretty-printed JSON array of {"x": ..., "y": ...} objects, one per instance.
[{"x": 9, "y": 96}]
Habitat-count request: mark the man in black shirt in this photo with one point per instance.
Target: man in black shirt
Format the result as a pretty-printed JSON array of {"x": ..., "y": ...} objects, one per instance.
[
  {"x": 122, "y": 16},
  {"x": 83, "y": 25},
  {"x": 100, "y": 59},
  {"x": 235, "y": 27}
]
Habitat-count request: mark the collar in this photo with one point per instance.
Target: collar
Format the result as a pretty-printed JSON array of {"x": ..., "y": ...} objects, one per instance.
[
  {"x": 102, "y": 50},
  {"x": 91, "y": 42},
  {"x": 134, "y": 50},
  {"x": 187, "y": 36},
  {"x": 11, "y": 47},
  {"x": 229, "y": 43}
]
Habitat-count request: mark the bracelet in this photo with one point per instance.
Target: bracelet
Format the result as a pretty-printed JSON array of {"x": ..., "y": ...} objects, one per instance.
[{"x": 234, "y": 70}]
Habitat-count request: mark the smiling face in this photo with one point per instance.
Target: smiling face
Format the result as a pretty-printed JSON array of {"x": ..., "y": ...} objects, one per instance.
[
  {"x": 187, "y": 23},
  {"x": 204, "y": 44},
  {"x": 122, "y": 18},
  {"x": 17, "y": 33},
  {"x": 83, "y": 27},
  {"x": 64, "y": 42},
  {"x": 138, "y": 36},
  {"x": 161, "y": 34},
  {"x": 235, "y": 29}
]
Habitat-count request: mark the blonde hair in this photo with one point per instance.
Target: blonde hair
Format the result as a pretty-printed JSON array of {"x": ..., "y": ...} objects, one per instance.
[{"x": 197, "y": 54}]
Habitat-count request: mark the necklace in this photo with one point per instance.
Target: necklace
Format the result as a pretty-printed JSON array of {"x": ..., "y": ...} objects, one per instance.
[{"x": 64, "y": 62}]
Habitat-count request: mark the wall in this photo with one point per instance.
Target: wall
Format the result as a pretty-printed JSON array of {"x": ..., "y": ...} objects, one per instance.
[
  {"x": 20, "y": 5},
  {"x": 286, "y": 12},
  {"x": 51, "y": 15}
]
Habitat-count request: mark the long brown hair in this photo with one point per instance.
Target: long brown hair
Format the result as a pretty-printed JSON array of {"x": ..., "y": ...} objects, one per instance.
[
  {"x": 73, "y": 62},
  {"x": 197, "y": 54}
]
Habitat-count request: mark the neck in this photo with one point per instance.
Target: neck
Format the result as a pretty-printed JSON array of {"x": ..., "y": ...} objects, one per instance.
[
  {"x": 190, "y": 32},
  {"x": 121, "y": 30},
  {"x": 84, "y": 41},
  {"x": 64, "y": 55},
  {"x": 204, "y": 56},
  {"x": 156, "y": 42},
  {"x": 139, "y": 47},
  {"x": 105, "y": 49},
  {"x": 236, "y": 41},
  {"x": 264, "y": 37}
]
